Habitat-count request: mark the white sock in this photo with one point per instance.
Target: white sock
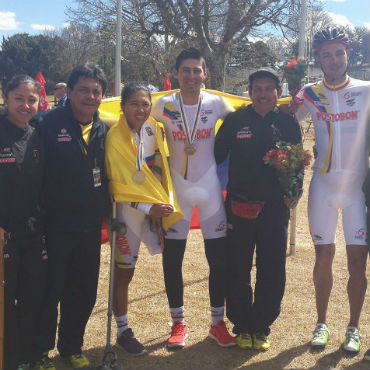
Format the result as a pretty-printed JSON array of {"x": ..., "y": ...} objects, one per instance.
[
  {"x": 121, "y": 324},
  {"x": 178, "y": 314},
  {"x": 217, "y": 314}
]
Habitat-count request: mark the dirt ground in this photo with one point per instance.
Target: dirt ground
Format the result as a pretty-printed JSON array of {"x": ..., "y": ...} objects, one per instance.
[{"x": 291, "y": 333}]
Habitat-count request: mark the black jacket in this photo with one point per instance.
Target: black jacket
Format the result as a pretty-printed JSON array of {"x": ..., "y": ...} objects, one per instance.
[
  {"x": 21, "y": 170},
  {"x": 72, "y": 201},
  {"x": 247, "y": 137}
]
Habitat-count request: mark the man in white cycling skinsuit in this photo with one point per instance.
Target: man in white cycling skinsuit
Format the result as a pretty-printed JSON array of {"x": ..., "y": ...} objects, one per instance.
[
  {"x": 339, "y": 107},
  {"x": 189, "y": 118}
]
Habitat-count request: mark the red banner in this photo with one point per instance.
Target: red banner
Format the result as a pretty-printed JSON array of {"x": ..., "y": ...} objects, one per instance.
[{"x": 43, "y": 103}]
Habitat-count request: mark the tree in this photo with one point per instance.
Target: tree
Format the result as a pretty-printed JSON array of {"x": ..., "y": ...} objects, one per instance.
[
  {"x": 359, "y": 47},
  {"x": 22, "y": 53},
  {"x": 162, "y": 26}
]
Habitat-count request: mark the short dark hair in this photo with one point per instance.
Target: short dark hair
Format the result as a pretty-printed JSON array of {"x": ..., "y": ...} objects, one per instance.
[
  {"x": 190, "y": 53},
  {"x": 265, "y": 72},
  {"x": 131, "y": 88},
  {"x": 89, "y": 71},
  {"x": 18, "y": 80}
]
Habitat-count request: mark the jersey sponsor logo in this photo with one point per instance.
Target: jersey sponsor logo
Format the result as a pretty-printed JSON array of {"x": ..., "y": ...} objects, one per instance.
[
  {"x": 244, "y": 133},
  {"x": 6, "y": 156},
  {"x": 64, "y": 136},
  {"x": 316, "y": 237},
  {"x": 204, "y": 133},
  {"x": 122, "y": 244},
  {"x": 360, "y": 234},
  {"x": 221, "y": 226},
  {"x": 204, "y": 115},
  {"x": 149, "y": 131},
  {"x": 204, "y": 119},
  {"x": 349, "y": 95},
  {"x": 171, "y": 230},
  {"x": 337, "y": 117},
  {"x": 349, "y": 98}
]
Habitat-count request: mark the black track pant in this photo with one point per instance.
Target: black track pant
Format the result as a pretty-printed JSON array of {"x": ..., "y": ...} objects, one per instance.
[
  {"x": 74, "y": 259},
  {"x": 173, "y": 255},
  {"x": 25, "y": 265},
  {"x": 267, "y": 234}
]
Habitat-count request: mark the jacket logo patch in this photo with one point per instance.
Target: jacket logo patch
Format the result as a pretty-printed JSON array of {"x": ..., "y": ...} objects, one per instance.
[
  {"x": 244, "y": 133},
  {"x": 63, "y": 136},
  {"x": 6, "y": 156}
]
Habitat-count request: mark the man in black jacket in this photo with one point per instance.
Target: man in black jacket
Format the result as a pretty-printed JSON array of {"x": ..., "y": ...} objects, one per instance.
[
  {"x": 256, "y": 208},
  {"x": 75, "y": 200}
]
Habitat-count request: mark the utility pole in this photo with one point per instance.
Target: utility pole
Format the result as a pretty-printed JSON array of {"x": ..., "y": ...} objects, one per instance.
[
  {"x": 301, "y": 49},
  {"x": 118, "y": 49},
  {"x": 302, "y": 29}
]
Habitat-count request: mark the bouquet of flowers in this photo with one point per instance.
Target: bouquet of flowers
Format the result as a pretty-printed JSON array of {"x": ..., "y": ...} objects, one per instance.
[
  {"x": 294, "y": 73},
  {"x": 289, "y": 162}
]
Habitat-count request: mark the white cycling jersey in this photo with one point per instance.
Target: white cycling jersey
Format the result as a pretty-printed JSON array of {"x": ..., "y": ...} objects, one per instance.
[
  {"x": 194, "y": 176},
  {"x": 340, "y": 115},
  {"x": 341, "y": 120},
  {"x": 167, "y": 110}
]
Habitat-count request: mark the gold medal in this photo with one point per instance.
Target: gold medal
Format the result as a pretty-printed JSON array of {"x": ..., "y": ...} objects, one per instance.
[
  {"x": 139, "y": 177},
  {"x": 190, "y": 149}
]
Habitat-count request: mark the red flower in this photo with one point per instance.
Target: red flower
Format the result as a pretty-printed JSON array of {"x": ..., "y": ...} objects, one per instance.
[{"x": 292, "y": 63}]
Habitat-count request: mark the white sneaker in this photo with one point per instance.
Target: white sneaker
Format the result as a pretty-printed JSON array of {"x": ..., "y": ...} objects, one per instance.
[
  {"x": 353, "y": 339},
  {"x": 321, "y": 335}
]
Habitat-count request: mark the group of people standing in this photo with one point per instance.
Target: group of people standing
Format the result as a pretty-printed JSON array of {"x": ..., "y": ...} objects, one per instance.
[{"x": 61, "y": 171}]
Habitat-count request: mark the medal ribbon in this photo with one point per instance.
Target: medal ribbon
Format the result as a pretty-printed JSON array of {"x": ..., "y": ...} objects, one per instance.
[
  {"x": 189, "y": 136},
  {"x": 140, "y": 151}
]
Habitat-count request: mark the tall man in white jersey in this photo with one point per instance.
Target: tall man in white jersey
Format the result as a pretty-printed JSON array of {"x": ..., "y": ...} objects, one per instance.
[
  {"x": 189, "y": 118},
  {"x": 339, "y": 106}
]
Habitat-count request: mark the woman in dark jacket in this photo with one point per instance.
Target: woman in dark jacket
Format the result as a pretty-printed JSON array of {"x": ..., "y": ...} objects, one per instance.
[{"x": 21, "y": 225}]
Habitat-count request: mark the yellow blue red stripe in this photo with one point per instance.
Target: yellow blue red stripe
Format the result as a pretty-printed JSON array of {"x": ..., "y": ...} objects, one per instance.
[{"x": 316, "y": 94}]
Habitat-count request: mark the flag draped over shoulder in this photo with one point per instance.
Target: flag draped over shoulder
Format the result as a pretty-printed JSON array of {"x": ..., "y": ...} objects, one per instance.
[
  {"x": 110, "y": 109},
  {"x": 121, "y": 165}
]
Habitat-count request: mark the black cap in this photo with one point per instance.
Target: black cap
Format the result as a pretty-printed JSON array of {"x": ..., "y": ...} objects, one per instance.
[{"x": 264, "y": 72}]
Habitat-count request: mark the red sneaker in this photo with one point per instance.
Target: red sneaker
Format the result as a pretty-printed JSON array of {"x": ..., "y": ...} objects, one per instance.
[
  {"x": 179, "y": 333},
  {"x": 221, "y": 335}
]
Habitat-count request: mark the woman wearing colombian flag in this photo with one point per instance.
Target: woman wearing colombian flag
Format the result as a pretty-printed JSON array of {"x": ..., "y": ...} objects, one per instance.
[{"x": 139, "y": 182}]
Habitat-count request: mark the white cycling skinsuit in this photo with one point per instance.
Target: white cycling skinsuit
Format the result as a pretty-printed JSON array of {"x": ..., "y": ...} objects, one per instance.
[
  {"x": 341, "y": 119},
  {"x": 134, "y": 214},
  {"x": 194, "y": 176}
]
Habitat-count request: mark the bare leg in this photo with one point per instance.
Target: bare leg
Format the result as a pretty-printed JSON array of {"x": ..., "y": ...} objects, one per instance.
[
  {"x": 357, "y": 282},
  {"x": 323, "y": 278},
  {"x": 122, "y": 278}
]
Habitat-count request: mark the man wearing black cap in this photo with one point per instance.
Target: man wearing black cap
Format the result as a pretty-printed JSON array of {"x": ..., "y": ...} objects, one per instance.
[{"x": 257, "y": 211}]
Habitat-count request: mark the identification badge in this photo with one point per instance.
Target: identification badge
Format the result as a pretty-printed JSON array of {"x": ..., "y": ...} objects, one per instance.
[{"x": 96, "y": 177}]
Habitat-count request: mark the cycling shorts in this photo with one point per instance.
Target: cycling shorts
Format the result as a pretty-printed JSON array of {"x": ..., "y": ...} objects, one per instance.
[
  {"x": 205, "y": 195},
  {"x": 328, "y": 194},
  {"x": 137, "y": 231}
]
